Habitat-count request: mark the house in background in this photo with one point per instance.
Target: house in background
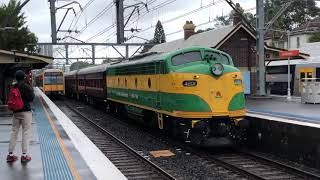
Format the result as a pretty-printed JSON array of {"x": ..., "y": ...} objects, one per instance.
[
  {"x": 238, "y": 40},
  {"x": 298, "y": 36}
]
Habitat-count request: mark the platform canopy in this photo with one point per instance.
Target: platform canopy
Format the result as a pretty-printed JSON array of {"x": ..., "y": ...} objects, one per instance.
[
  {"x": 11, "y": 61},
  {"x": 16, "y": 59}
]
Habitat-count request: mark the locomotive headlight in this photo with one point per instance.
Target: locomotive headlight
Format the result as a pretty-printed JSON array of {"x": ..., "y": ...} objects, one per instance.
[
  {"x": 217, "y": 69},
  {"x": 237, "y": 82}
]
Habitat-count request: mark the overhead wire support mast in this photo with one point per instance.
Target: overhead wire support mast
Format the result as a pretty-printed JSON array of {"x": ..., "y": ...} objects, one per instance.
[
  {"x": 53, "y": 11},
  {"x": 120, "y": 21},
  {"x": 120, "y": 18},
  {"x": 261, "y": 54}
]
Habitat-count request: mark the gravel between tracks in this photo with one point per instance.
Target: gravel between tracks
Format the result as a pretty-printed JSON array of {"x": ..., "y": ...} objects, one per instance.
[{"x": 183, "y": 165}]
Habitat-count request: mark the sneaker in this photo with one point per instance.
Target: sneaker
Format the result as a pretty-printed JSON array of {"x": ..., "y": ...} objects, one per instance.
[
  {"x": 11, "y": 158},
  {"x": 25, "y": 159}
]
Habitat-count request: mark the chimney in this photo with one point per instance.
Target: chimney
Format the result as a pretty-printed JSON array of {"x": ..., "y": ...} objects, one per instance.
[
  {"x": 188, "y": 28},
  {"x": 236, "y": 17}
]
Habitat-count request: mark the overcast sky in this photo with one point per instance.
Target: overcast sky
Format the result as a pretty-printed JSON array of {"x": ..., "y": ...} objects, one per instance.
[{"x": 38, "y": 19}]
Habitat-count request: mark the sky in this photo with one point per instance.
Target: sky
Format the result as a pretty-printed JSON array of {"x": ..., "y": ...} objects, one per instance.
[{"x": 169, "y": 12}]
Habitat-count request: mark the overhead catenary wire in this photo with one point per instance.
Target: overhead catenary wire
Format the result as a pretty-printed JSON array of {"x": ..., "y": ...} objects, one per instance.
[
  {"x": 103, "y": 31},
  {"x": 184, "y": 14}
]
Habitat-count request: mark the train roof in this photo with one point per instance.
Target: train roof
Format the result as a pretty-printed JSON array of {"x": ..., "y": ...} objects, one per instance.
[
  {"x": 155, "y": 57},
  {"x": 52, "y": 70},
  {"x": 70, "y": 73},
  {"x": 94, "y": 69},
  {"x": 141, "y": 59}
]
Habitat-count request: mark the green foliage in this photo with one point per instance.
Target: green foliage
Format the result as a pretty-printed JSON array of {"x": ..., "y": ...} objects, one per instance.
[
  {"x": 79, "y": 65},
  {"x": 20, "y": 36},
  {"x": 297, "y": 13},
  {"x": 315, "y": 37},
  {"x": 292, "y": 17},
  {"x": 225, "y": 20},
  {"x": 201, "y": 30}
]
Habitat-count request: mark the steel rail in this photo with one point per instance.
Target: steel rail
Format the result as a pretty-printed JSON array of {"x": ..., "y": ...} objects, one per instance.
[{"x": 154, "y": 168}]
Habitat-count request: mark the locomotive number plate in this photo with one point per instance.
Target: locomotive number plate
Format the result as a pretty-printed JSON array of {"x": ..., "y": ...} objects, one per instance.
[{"x": 190, "y": 83}]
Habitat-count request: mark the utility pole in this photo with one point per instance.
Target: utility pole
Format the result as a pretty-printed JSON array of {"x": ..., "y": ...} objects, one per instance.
[
  {"x": 260, "y": 44},
  {"x": 93, "y": 50},
  {"x": 67, "y": 54},
  {"x": 53, "y": 21},
  {"x": 289, "y": 71},
  {"x": 120, "y": 21}
]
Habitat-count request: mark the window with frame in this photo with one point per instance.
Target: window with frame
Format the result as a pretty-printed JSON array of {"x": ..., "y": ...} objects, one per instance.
[{"x": 187, "y": 57}]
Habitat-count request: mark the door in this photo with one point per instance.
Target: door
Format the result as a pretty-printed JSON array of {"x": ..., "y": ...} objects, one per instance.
[{"x": 305, "y": 73}]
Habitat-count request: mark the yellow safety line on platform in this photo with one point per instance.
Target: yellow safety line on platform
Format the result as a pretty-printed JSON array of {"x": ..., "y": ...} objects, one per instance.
[{"x": 65, "y": 151}]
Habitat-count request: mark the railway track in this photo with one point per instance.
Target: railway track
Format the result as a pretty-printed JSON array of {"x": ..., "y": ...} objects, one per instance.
[
  {"x": 127, "y": 160},
  {"x": 235, "y": 165},
  {"x": 253, "y": 166}
]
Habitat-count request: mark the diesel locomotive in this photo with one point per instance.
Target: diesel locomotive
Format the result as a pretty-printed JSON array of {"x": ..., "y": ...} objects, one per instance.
[{"x": 194, "y": 93}]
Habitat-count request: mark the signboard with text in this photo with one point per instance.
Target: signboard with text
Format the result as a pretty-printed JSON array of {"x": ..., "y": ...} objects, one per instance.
[{"x": 290, "y": 53}]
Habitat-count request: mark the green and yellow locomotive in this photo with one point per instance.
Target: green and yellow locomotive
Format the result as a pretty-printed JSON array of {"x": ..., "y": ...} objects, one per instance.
[{"x": 195, "y": 93}]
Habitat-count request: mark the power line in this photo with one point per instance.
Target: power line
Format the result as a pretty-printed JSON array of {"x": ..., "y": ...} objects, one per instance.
[
  {"x": 101, "y": 13},
  {"x": 183, "y": 15},
  {"x": 103, "y": 31}
]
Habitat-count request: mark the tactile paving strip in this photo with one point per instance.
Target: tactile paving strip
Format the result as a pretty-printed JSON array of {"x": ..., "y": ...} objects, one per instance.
[{"x": 54, "y": 163}]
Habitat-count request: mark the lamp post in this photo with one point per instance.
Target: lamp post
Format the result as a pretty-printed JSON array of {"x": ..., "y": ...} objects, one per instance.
[{"x": 289, "y": 78}]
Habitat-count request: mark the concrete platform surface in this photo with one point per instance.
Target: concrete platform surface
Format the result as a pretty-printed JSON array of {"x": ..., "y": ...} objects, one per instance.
[
  {"x": 279, "y": 106},
  {"x": 59, "y": 150}
]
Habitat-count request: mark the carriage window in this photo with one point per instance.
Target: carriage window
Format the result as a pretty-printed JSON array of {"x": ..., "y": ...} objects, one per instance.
[
  {"x": 186, "y": 58},
  {"x": 136, "y": 82},
  {"x": 149, "y": 82},
  {"x": 218, "y": 57}
]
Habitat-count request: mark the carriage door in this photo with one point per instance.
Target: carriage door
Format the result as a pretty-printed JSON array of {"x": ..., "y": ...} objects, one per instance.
[
  {"x": 159, "y": 71},
  {"x": 304, "y": 73}
]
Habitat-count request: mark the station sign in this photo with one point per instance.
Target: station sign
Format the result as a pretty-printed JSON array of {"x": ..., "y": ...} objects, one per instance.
[{"x": 290, "y": 53}]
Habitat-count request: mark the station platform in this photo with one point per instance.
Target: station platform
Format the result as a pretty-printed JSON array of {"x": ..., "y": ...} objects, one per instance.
[
  {"x": 59, "y": 150},
  {"x": 279, "y": 106}
]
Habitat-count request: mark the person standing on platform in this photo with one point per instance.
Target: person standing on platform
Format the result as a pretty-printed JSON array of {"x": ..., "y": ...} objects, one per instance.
[{"x": 21, "y": 117}]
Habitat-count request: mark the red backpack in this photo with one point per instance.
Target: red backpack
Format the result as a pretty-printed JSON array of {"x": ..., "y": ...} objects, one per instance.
[{"x": 15, "y": 102}]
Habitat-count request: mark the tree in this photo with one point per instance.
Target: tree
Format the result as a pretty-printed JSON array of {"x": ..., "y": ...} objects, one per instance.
[
  {"x": 225, "y": 20},
  {"x": 79, "y": 65},
  {"x": 159, "y": 37},
  {"x": 315, "y": 37},
  {"x": 20, "y": 36},
  {"x": 296, "y": 14}
]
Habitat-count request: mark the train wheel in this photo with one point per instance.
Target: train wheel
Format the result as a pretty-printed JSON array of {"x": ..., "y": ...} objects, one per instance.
[{"x": 110, "y": 107}]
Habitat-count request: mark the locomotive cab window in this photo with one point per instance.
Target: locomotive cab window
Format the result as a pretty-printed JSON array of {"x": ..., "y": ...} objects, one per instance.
[
  {"x": 53, "y": 78},
  {"x": 187, "y": 57},
  {"x": 216, "y": 57}
]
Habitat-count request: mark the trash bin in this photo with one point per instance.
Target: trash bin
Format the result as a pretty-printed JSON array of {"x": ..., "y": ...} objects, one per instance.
[{"x": 310, "y": 90}]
